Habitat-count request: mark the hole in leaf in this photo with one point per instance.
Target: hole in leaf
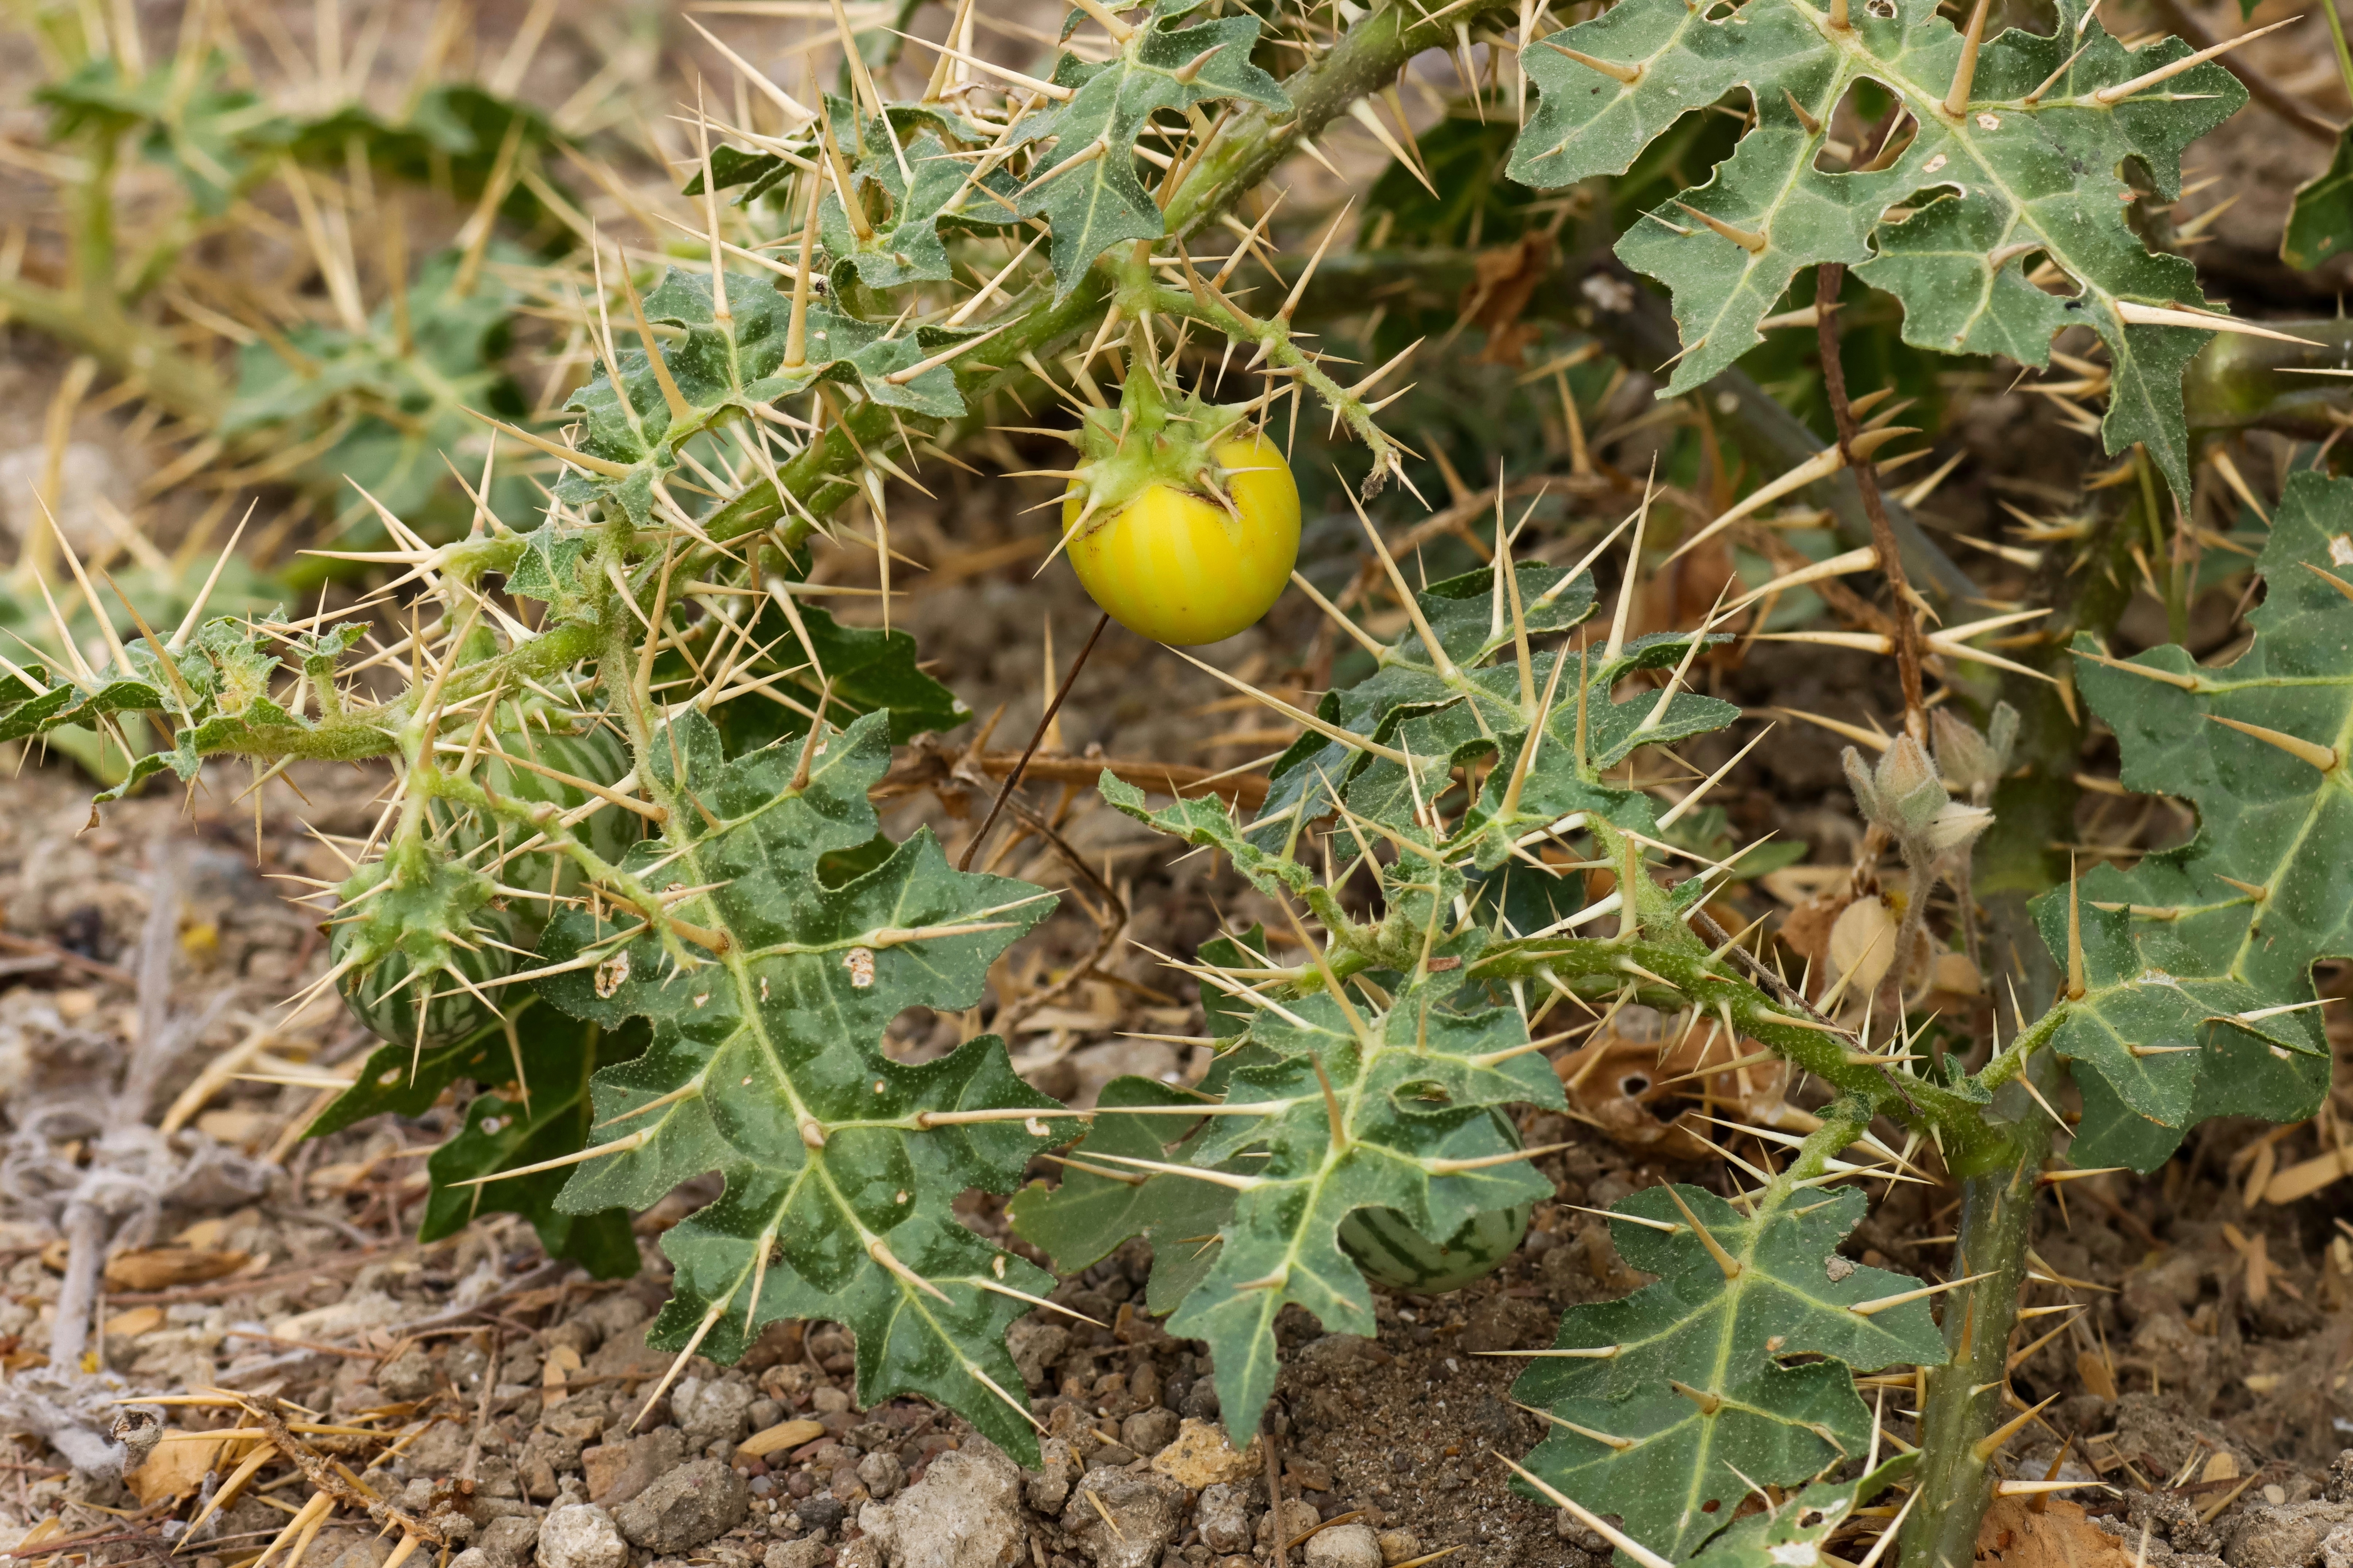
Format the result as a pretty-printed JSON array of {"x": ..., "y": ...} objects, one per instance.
[
  {"x": 2052, "y": 279},
  {"x": 1867, "y": 129},
  {"x": 1633, "y": 1086},
  {"x": 1711, "y": 1505}
]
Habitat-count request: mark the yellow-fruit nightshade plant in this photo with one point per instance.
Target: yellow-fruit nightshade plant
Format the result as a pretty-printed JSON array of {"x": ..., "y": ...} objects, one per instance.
[{"x": 1183, "y": 519}]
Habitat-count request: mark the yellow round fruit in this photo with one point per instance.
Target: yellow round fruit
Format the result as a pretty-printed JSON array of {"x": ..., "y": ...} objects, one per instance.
[{"x": 1174, "y": 566}]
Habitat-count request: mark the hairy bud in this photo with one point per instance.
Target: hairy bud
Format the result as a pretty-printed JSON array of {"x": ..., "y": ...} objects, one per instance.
[
  {"x": 1903, "y": 795},
  {"x": 1974, "y": 763}
]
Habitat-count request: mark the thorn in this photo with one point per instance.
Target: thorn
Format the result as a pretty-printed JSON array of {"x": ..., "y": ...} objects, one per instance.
[
  {"x": 759, "y": 1277},
  {"x": 163, "y": 655},
  {"x": 902, "y": 377},
  {"x": 701, "y": 1329},
  {"x": 619, "y": 1146},
  {"x": 1625, "y": 593},
  {"x": 796, "y": 332},
  {"x": 1723, "y": 1261},
  {"x": 1537, "y": 730},
  {"x": 1628, "y": 75},
  {"x": 1863, "y": 560},
  {"x": 982, "y": 1281},
  {"x": 2134, "y": 313},
  {"x": 2049, "y": 1178},
  {"x": 2253, "y": 891},
  {"x": 1709, "y": 1404},
  {"x": 1991, "y": 1444},
  {"x": 1820, "y": 466},
  {"x": 1868, "y": 1309},
  {"x": 2031, "y": 99},
  {"x": 2018, "y": 1357},
  {"x": 179, "y": 639},
  {"x": 1855, "y": 732},
  {"x": 1583, "y": 687},
  {"x": 1437, "y": 650},
  {"x": 1894, "y": 1526},
  {"x": 2257, "y": 1014},
  {"x": 1120, "y": 31},
  {"x": 1619, "y": 1444},
  {"x": 2207, "y": 1515},
  {"x": 1596, "y": 1353},
  {"x": 1015, "y": 1405},
  {"x": 685, "y": 1092},
  {"x": 1997, "y": 257},
  {"x": 1483, "y": 1161},
  {"x": 1630, "y": 904},
  {"x": 595, "y": 464},
  {"x": 2125, "y": 89},
  {"x": 863, "y": 80},
  {"x": 2035, "y": 1489},
  {"x": 1339, "y": 617},
  {"x": 1644, "y": 1220},
  {"x": 1299, "y": 290},
  {"x": 1329, "y": 732},
  {"x": 1591, "y": 1521},
  {"x": 1361, "y": 111},
  {"x": 1754, "y": 244},
  {"x": 2319, "y": 756},
  {"x": 1191, "y": 69},
  {"x": 1813, "y": 126},
  {"x": 1223, "y": 1178},
  {"x": 793, "y": 108},
  {"x": 2075, "y": 986},
  {"x": 1692, "y": 650},
  {"x": 1957, "y": 98},
  {"x": 2148, "y": 672},
  {"x": 2334, "y": 580},
  {"x": 1127, "y": 1178},
  {"x": 879, "y": 1250},
  {"x": 1051, "y": 90},
  {"x": 681, "y": 410},
  {"x": 2026, "y": 1081}
]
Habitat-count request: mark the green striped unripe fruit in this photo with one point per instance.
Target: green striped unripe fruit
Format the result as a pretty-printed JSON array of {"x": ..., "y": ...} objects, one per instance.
[
  {"x": 384, "y": 995},
  {"x": 412, "y": 930},
  {"x": 594, "y": 751},
  {"x": 418, "y": 941},
  {"x": 1391, "y": 1252}
]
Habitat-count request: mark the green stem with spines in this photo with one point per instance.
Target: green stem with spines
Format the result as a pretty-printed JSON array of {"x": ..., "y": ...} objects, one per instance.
[
  {"x": 1964, "y": 1402},
  {"x": 1140, "y": 295}
]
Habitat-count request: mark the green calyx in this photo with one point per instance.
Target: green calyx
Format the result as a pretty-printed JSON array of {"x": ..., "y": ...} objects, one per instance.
[
  {"x": 412, "y": 902},
  {"x": 1154, "y": 437},
  {"x": 417, "y": 945}
]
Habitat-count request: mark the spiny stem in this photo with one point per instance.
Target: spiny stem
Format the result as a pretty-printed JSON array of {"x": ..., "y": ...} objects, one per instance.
[{"x": 1964, "y": 1402}]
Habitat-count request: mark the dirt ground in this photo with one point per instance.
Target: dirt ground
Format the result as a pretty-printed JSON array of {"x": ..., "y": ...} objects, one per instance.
[{"x": 2213, "y": 1350}]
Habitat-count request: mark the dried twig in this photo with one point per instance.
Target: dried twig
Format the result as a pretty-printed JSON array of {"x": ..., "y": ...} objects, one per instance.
[{"x": 330, "y": 1478}]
